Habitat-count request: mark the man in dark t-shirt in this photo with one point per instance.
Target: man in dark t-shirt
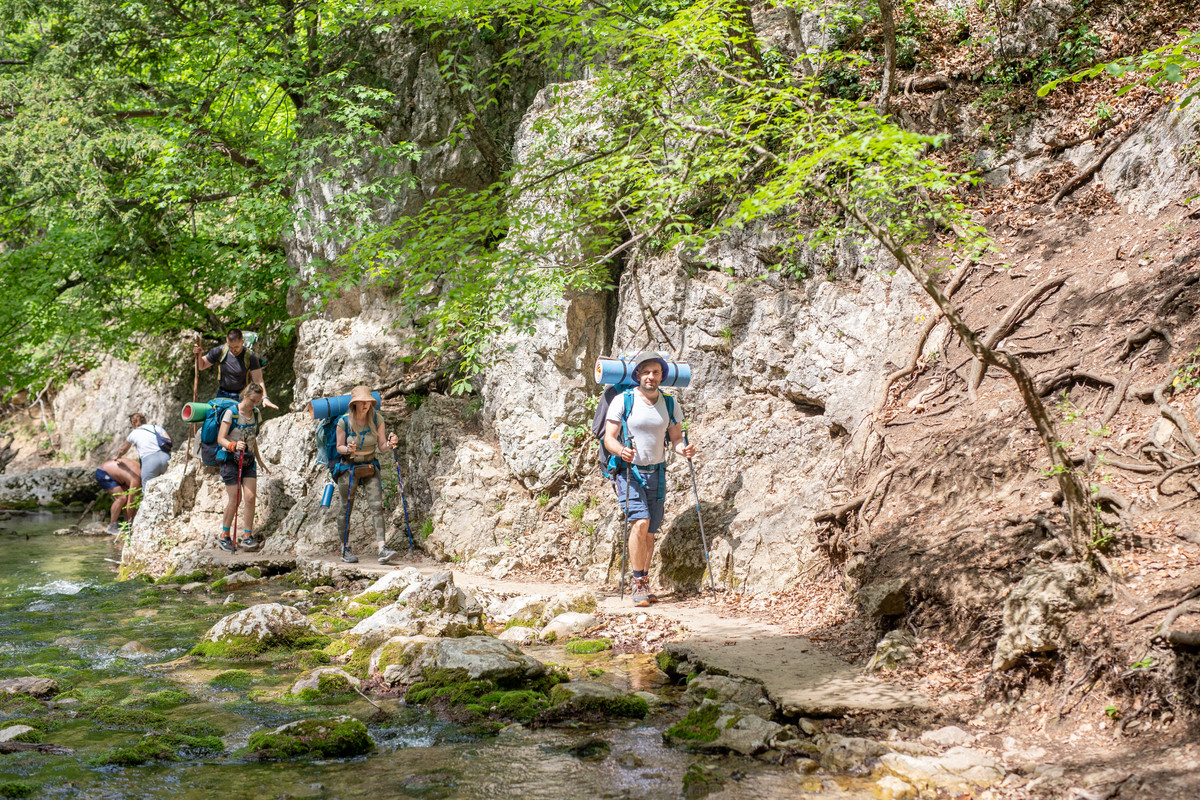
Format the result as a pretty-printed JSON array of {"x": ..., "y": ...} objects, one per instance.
[{"x": 237, "y": 366}]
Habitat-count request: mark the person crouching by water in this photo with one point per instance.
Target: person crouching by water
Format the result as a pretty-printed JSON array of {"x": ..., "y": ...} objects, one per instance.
[
  {"x": 119, "y": 477},
  {"x": 361, "y": 434},
  {"x": 153, "y": 447},
  {"x": 238, "y": 438}
]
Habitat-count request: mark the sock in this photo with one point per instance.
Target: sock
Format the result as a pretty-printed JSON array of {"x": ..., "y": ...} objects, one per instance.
[
  {"x": 245, "y": 533},
  {"x": 224, "y": 531},
  {"x": 640, "y": 573}
]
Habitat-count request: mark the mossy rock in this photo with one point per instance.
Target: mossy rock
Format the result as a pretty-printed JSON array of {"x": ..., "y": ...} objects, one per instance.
[
  {"x": 340, "y": 737},
  {"x": 587, "y": 701},
  {"x": 254, "y": 572},
  {"x": 125, "y": 718},
  {"x": 18, "y": 788},
  {"x": 581, "y": 647},
  {"x": 164, "y": 698},
  {"x": 699, "y": 725},
  {"x": 161, "y": 747},
  {"x": 232, "y": 679},
  {"x": 242, "y": 648}
]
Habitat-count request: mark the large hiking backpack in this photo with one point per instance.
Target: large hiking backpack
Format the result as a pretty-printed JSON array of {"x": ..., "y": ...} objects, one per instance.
[
  {"x": 326, "y": 436},
  {"x": 209, "y": 449},
  {"x": 608, "y": 461},
  {"x": 248, "y": 340}
]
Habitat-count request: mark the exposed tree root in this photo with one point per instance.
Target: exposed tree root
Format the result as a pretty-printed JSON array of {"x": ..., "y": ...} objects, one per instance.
[
  {"x": 1141, "y": 336},
  {"x": 1072, "y": 376},
  {"x": 1091, "y": 169},
  {"x": 1013, "y": 317},
  {"x": 1192, "y": 595},
  {"x": 1158, "y": 395},
  {"x": 1174, "y": 471}
]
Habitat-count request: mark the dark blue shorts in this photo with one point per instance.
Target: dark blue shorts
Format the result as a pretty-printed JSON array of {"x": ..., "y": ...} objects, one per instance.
[
  {"x": 106, "y": 481},
  {"x": 229, "y": 469},
  {"x": 642, "y": 502},
  {"x": 229, "y": 395}
]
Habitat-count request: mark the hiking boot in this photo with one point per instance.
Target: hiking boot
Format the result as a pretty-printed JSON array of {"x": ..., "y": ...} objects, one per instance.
[
  {"x": 386, "y": 555},
  {"x": 641, "y": 592},
  {"x": 249, "y": 542},
  {"x": 225, "y": 543},
  {"x": 349, "y": 557},
  {"x": 114, "y": 529}
]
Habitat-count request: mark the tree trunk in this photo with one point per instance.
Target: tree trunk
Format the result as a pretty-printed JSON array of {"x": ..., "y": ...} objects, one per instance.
[
  {"x": 1079, "y": 512},
  {"x": 793, "y": 23},
  {"x": 888, "y": 17}
]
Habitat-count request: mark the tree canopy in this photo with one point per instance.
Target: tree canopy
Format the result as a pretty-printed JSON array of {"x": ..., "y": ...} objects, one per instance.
[{"x": 148, "y": 152}]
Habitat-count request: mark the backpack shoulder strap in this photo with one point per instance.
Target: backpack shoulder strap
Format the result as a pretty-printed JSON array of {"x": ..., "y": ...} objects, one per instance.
[{"x": 670, "y": 409}]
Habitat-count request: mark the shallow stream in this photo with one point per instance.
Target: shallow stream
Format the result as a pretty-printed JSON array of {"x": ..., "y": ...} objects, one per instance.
[{"x": 64, "y": 616}]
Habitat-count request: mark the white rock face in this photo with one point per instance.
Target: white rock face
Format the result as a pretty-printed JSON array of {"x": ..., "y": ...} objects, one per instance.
[
  {"x": 263, "y": 621},
  {"x": 1157, "y": 165},
  {"x": 395, "y": 581},
  {"x": 565, "y": 625},
  {"x": 50, "y": 486},
  {"x": 403, "y": 660},
  {"x": 436, "y": 607},
  {"x": 519, "y": 635},
  {"x": 959, "y": 770},
  {"x": 579, "y": 601},
  {"x": 949, "y": 736},
  {"x": 1036, "y": 611},
  {"x": 523, "y": 607},
  {"x": 13, "y": 731}
]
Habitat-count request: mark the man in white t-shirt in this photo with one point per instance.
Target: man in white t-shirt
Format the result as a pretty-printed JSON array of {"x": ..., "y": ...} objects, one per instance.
[
  {"x": 146, "y": 439},
  {"x": 640, "y": 443}
]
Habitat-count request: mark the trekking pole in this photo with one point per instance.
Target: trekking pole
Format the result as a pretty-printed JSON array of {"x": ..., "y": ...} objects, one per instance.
[
  {"x": 700, "y": 519},
  {"x": 237, "y": 504},
  {"x": 403, "y": 502},
  {"x": 625, "y": 540},
  {"x": 195, "y": 392},
  {"x": 349, "y": 505}
]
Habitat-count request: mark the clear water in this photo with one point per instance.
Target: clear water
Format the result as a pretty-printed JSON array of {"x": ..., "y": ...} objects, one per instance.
[{"x": 63, "y": 615}]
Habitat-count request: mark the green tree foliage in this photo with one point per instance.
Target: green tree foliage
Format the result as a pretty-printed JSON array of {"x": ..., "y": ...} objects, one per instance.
[
  {"x": 148, "y": 152},
  {"x": 1171, "y": 69}
]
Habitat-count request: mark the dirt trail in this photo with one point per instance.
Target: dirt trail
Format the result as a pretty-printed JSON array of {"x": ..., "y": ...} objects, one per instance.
[{"x": 799, "y": 676}]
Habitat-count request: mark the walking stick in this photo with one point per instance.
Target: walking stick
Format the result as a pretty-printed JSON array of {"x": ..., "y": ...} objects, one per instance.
[
  {"x": 195, "y": 393},
  {"x": 700, "y": 519},
  {"x": 237, "y": 503},
  {"x": 403, "y": 502},
  {"x": 349, "y": 505},
  {"x": 625, "y": 539}
]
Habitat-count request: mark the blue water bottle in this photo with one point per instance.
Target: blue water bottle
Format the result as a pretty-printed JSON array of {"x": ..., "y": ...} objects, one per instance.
[{"x": 327, "y": 495}]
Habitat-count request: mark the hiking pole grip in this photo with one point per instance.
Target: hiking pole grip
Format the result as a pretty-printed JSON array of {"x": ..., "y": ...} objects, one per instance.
[{"x": 403, "y": 502}]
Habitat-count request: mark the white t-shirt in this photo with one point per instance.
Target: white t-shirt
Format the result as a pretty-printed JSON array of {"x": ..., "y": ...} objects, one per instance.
[
  {"x": 647, "y": 426},
  {"x": 142, "y": 437}
]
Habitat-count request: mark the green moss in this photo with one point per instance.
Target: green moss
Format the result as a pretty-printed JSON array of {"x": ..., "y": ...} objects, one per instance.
[
  {"x": 89, "y": 697},
  {"x": 521, "y": 705},
  {"x": 219, "y": 585},
  {"x": 126, "y": 718},
  {"x": 523, "y": 622},
  {"x": 550, "y": 638},
  {"x": 30, "y": 737},
  {"x": 199, "y": 576},
  {"x": 331, "y": 683},
  {"x": 588, "y": 646},
  {"x": 553, "y": 676},
  {"x": 338, "y": 647},
  {"x": 198, "y": 729},
  {"x": 668, "y": 663},
  {"x": 237, "y": 648},
  {"x": 18, "y": 788},
  {"x": 312, "y": 738},
  {"x": 699, "y": 725},
  {"x": 161, "y": 747},
  {"x": 166, "y": 698},
  {"x": 595, "y": 672},
  {"x": 307, "y": 659},
  {"x": 362, "y": 612},
  {"x": 623, "y": 707},
  {"x": 254, "y": 572},
  {"x": 232, "y": 679}
]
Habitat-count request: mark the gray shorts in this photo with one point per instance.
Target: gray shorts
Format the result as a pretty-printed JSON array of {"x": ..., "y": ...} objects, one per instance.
[
  {"x": 643, "y": 502},
  {"x": 154, "y": 465}
]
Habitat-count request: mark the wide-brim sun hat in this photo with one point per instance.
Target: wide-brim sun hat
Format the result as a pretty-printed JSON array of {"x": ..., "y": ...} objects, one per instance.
[
  {"x": 647, "y": 356},
  {"x": 361, "y": 394}
]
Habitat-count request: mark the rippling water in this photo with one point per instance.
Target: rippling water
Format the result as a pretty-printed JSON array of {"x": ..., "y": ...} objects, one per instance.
[{"x": 63, "y": 615}]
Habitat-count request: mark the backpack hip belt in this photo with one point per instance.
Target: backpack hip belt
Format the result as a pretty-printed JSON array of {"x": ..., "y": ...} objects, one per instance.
[{"x": 659, "y": 469}]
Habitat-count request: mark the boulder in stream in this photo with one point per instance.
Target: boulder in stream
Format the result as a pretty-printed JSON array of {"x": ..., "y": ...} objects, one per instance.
[
  {"x": 338, "y": 737},
  {"x": 32, "y": 687},
  {"x": 256, "y": 629},
  {"x": 408, "y": 659}
]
